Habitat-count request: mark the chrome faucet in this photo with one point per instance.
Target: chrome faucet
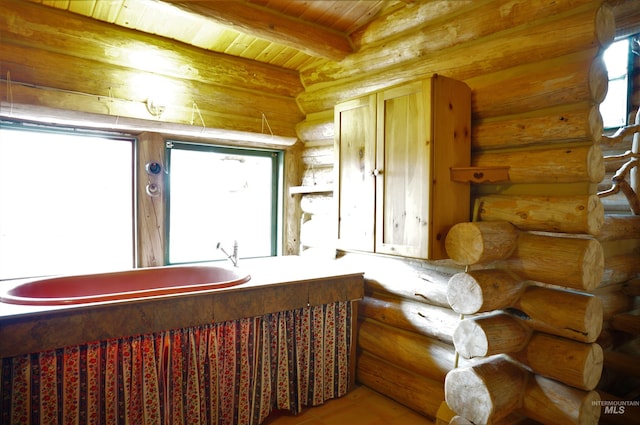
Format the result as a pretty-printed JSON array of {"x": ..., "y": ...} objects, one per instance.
[{"x": 233, "y": 257}]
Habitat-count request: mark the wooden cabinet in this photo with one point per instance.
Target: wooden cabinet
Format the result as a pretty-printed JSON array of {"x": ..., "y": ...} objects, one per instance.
[{"x": 394, "y": 152}]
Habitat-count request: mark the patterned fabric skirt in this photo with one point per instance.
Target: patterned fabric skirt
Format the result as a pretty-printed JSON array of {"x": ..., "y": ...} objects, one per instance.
[{"x": 227, "y": 373}]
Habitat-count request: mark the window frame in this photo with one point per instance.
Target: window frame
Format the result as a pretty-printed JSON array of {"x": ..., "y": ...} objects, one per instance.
[
  {"x": 277, "y": 185},
  {"x": 628, "y": 76}
]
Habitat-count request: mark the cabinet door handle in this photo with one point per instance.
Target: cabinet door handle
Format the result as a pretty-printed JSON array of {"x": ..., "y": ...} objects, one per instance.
[{"x": 376, "y": 172}]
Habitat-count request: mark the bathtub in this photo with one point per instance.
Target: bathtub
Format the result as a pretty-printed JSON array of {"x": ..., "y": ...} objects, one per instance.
[{"x": 123, "y": 285}]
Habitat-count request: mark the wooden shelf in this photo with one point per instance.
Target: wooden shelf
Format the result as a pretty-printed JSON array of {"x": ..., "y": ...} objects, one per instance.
[{"x": 311, "y": 189}]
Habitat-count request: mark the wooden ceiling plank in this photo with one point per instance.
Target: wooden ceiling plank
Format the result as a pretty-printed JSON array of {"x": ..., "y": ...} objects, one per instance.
[{"x": 277, "y": 28}]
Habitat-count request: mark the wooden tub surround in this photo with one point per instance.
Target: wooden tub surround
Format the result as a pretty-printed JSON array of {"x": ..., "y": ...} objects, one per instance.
[{"x": 280, "y": 341}]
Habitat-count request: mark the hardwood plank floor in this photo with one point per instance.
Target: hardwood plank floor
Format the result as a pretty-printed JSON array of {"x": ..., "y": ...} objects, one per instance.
[{"x": 361, "y": 406}]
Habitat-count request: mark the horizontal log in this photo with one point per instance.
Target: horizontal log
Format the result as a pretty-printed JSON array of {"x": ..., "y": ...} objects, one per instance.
[
  {"x": 632, "y": 288},
  {"x": 566, "y": 214},
  {"x": 314, "y": 40},
  {"x": 480, "y": 242},
  {"x": 558, "y": 35},
  {"x": 624, "y": 363},
  {"x": 486, "y": 392},
  {"x": 416, "y": 392},
  {"x": 317, "y": 176},
  {"x": 318, "y": 156},
  {"x": 489, "y": 335},
  {"x": 316, "y": 126},
  {"x": 406, "y": 19},
  {"x": 416, "y": 353},
  {"x": 576, "y": 263},
  {"x": 627, "y": 322},
  {"x": 568, "y": 79},
  {"x": 620, "y": 268},
  {"x": 573, "y": 363},
  {"x": 620, "y": 227},
  {"x": 221, "y": 136},
  {"x": 568, "y": 314},
  {"x": 181, "y": 112},
  {"x": 30, "y": 24},
  {"x": 401, "y": 278},
  {"x": 570, "y": 164},
  {"x": 424, "y": 319},
  {"x": 551, "y": 402},
  {"x": 317, "y": 204},
  {"x": 479, "y": 291},
  {"x": 571, "y": 262},
  {"x": 614, "y": 300},
  {"x": 573, "y": 122}
]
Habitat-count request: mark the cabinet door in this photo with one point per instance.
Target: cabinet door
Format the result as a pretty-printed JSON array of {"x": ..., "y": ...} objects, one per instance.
[
  {"x": 404, "y": 162},
  {"x": 355, "y": 124}
]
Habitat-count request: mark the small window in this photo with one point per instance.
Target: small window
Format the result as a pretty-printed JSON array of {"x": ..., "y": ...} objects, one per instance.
[
  {"x": 66, "y": 202},
  {"x": 221, "y": 195},
  {"x": 615, "y": 107}
]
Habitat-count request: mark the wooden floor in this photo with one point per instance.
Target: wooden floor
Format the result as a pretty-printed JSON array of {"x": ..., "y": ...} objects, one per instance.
[{"x": 362, "y": 406}]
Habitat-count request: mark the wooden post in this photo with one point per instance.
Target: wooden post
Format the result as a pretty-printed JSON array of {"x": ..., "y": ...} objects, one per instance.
[
  {"x": 483, "y": 290},
  {"x": 485, "y": 336},
  {"x": 151, "y": 201},
  {"x": 486, "y": 392},
  {"x": 550, "y": 402},
  {"x": 480, "y": 242},
  {"x": 568, "y": 314}
]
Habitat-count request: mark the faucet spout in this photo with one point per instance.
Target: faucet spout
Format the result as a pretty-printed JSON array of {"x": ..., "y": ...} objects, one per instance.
[{"x": 231, "y": 257}]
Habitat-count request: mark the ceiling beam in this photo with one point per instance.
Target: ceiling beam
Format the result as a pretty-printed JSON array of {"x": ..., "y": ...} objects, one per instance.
[{"x": 272, "y": 26}]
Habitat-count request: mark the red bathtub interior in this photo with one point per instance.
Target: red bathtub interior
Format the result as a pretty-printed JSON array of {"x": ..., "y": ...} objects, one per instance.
[{"x": 139, "y": 283}]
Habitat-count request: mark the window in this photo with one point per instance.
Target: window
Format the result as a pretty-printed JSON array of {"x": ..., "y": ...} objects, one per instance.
[
  {"x": 221, "y": 195},
  {"x": 615, "y": 107},
  {"x": 66, "y": 202}
]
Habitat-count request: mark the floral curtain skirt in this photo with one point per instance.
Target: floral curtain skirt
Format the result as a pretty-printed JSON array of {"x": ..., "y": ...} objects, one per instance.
[{"x": 231, "y": 373}]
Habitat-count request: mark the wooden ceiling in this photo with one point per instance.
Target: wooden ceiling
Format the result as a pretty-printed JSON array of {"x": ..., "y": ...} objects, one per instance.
[{"x": 291, "y": 34}]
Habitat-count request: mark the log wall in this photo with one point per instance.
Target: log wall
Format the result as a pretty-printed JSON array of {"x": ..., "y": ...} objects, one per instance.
[
  {"x": 537, "y": 79},
  {"x": 68, "y": 68}
]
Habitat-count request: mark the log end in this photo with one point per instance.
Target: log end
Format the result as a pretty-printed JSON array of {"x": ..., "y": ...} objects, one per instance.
[
  {"x": 467, "y": 395},
  {"x": 595, "y": 215},
  {"x": 595, "y": 162},
  {"x": 480, "y": 242},
  {"x": 464, "y": 244},
  {"x": 593, "y": 365},
  {"x": 593, "y": 265},
  {"x": 464, "y": 294},
  {"x": 485, "y": 392},
  {"x": 605, "y": 25},
  {"x": 470, "y": 340}
]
